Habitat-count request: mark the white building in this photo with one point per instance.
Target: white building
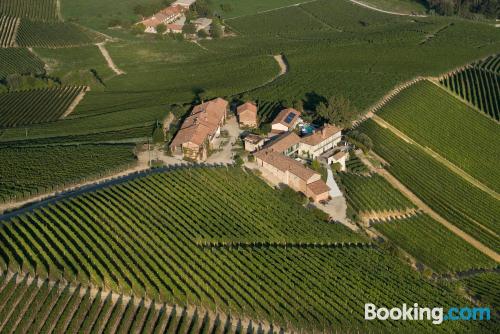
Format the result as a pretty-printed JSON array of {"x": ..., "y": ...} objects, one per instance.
[
  {"x": 203, "y": 23},
  {"x": 286, "y": 120},
  {"x": 320, "y": 141},
  {"x": 184, "y": 3}
]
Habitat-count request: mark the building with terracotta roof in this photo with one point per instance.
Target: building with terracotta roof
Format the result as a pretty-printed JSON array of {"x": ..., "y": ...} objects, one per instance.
[
  {"x": 165, "y": 16},
  {"x": 253, "y": 142},
  {"x": 286, "y": 120},
  {"x": 286, "y": 143},
  {"x": 292, "y": 173},
  {"x": 199, "y": 129},
  {"x": 247, "y": 115},
  {"x": 320, "y": 141}
]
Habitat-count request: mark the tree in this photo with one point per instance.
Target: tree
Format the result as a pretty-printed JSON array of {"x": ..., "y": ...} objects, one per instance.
[
  {"x": 336, "y": 167},
  {"x": 298, "y": 105},
  {"x": 161, "y": 28},
  {"x": 337, "y": 111},
  {"x": 202, "y": 34},
  {"x": 216, "y": 30},
  {"x": 189, "y": 29},
  {"x": 138, "y": 28}
]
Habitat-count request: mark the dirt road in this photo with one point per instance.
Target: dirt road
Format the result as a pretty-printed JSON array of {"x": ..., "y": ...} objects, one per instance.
[
  {"x": 426, "y": 209},
  {"x": 384, "y": 11},
  {"x": 109, "y": 60}
]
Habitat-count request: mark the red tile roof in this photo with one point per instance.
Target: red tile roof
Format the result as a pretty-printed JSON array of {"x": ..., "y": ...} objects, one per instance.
[
  {"x": 320, "y": 135},
  {"x": 247, "y": 106},
  {"x": 318, "y": 187},
  {"x": 284, "y": 142},
  {"x": 284, "y": 163},
  {"x": 283, "y": 115}
]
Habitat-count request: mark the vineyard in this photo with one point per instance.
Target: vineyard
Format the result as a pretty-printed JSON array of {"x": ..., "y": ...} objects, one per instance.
[
  {"x": 435, "y": 119},
  {"x": 40, "y": 306},
  {"x": 29, "y": 171},
  {"x": 478, "y": 84},
  {"x": 53, "y": 35},
  {"x": 8, "y": 31},
  {"x": 485, "y": 287},
  {"x": 39, "y": 10},
  {"x": 141, "y": 237},
  {"x": 372, "y": 193},
  {"x": 433, "y": 244},
  {"x": 462, "y": 204},
  {"x": 36, "y": 106},
  {"x": 19, "y": 60}
]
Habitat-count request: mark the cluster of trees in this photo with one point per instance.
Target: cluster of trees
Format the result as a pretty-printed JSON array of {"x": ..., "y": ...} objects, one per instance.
[
  {"x": 14, "y": 82},
  {"x": 337, "y": 110},
  {"x": 466, "y": 8},
  {"x": 361, "y": 140}
]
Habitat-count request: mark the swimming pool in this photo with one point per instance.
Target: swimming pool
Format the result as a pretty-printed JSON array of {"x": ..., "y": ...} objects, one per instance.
[{"x": 307, "y": 129}]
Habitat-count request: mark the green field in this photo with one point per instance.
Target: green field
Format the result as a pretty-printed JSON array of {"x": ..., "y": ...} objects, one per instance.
[
  {"x": 478, "y": 85},
  {"x": 61, "y": 308},
  {"x": 372, "y": 193},
  {"x": 239, "y": 8},
  {"x": 398, "y": 6},
  {"x": 485, "y": 287},
  {"x": 462, "y": 204},
  {"x": 28, "y": 171},
  {"x": 152, "y": 247},
  {"x": 40, "y": 10},
  {"x": 435, "y": 119},
  {"x": 19, "y": 60},
  {"x": 8, "y": 31},
  {"x": 53, "y": 35},
  {"x": 433, "y": 244},
  {"x": 21, "y": 108}
]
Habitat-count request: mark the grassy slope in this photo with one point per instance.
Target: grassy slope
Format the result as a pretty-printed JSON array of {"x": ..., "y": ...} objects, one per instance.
[
  {"x": 398, "y": 6},
  {"x": 434, "y": 118},
  {"x": 433, "y": 244},
  {"x": 244, "y": 7}
]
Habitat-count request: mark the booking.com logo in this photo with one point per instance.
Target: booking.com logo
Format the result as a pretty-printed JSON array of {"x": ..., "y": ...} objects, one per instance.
[{"x": 437, "y": 314}]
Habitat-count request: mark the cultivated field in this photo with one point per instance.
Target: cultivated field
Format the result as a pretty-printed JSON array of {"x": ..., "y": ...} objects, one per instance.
[
  {"x": 433, "y": 244},
  {"x": 20, "y": 61},
  {"x": 152, "y": 248},
  {"x": 462, "y": 204},
  {"x": 372, "y": 193},
  {"x": 485, "y": 287},
  {"x": 435, "y": 119},
  {"x": 29, "y": 171},
  {"x": 21, "y": 108},
  {"x": 8, "y": 31},
  {"x": 479, "y": 85},
  {"x": 40, "y": 10}
]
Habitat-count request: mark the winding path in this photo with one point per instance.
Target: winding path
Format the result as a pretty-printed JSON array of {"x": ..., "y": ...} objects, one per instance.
[
  {"x": 362, "y": 4},
  {"x": 109, "y": 60}
]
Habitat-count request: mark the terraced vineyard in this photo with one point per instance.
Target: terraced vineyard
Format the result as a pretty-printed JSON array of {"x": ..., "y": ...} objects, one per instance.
[
  {"x": 8, "y": 31},
  {"x": 30, "y": 305},
  {"x": 372, "y": 193},
  {"x": 141, "y": 237},
  {"x": 433, "y": 244},
  {"x": 36, "y": 106},
  {"x": 53, "y": 35},
  {"x": 28, "y": 171},
  {"x": 434, "y": 119},
  {"x": 40, "y": 10},
  {"x": 462, "y": 204},
  {"x": 491, "y": 63},
  {"x": 268, "y": 110},
  {"x": 479, "y": 85},
  {"x": 355, "y": 165},
  {"x": 19, "y": 60},
  {"x": 485, "y": 287}
]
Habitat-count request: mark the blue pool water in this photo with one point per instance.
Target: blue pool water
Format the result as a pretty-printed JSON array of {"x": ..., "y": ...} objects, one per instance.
[{"x": 307, "y": 129}]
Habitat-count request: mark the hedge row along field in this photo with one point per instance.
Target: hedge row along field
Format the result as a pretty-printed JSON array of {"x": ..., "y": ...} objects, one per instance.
[
  {"x": 372, "y": 193},
  {"x": 19, "y": 60},
  {"x": 31, "y": 306},
  {"x": 485, "y": 287},
  {"x": 8, "y": 31},
  {"x": 36, "y": 106},
  {"x": 478, "y": 86},
  {"x": 53, "y": 35},
  {"x": 140, "y": 237},
  {"x": 433, "y": 244},
  {"x": 39, "y": 10},
  {"x": 462, "y": 204},
  {"x": 29, "y": 171},
  {"x": 434, "y": 118}
]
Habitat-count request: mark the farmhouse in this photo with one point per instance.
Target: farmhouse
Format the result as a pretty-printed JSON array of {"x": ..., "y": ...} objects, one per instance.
[
  {"x": 287, "y": 144},
  {"x": 199, "y": 129},
  {"x": 292, "y": 173},
  {"x": 165, "y": 16},
  {"x": 253, "y": 142},
  {"x": 320, "y": 141},
  {"x": 335, "y": 157},
  {"x": 184, "y": 3},
  {"x": 247, "y": 115},
  {"x": 203, "y": 23},
  {"x": 286, "y": 120}
]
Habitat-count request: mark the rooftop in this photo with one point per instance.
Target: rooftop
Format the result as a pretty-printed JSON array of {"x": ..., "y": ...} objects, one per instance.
[
  {"x": 320, "y": 135},
  {"x": 318, "y": 187},
  {"x": 287, "y": 117},
  {"x": 253, "y": 139},
  {"x": 284, "y": 142},
  {"x": 247, "y": 106},
  {"x": 284, "y": 163}
]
